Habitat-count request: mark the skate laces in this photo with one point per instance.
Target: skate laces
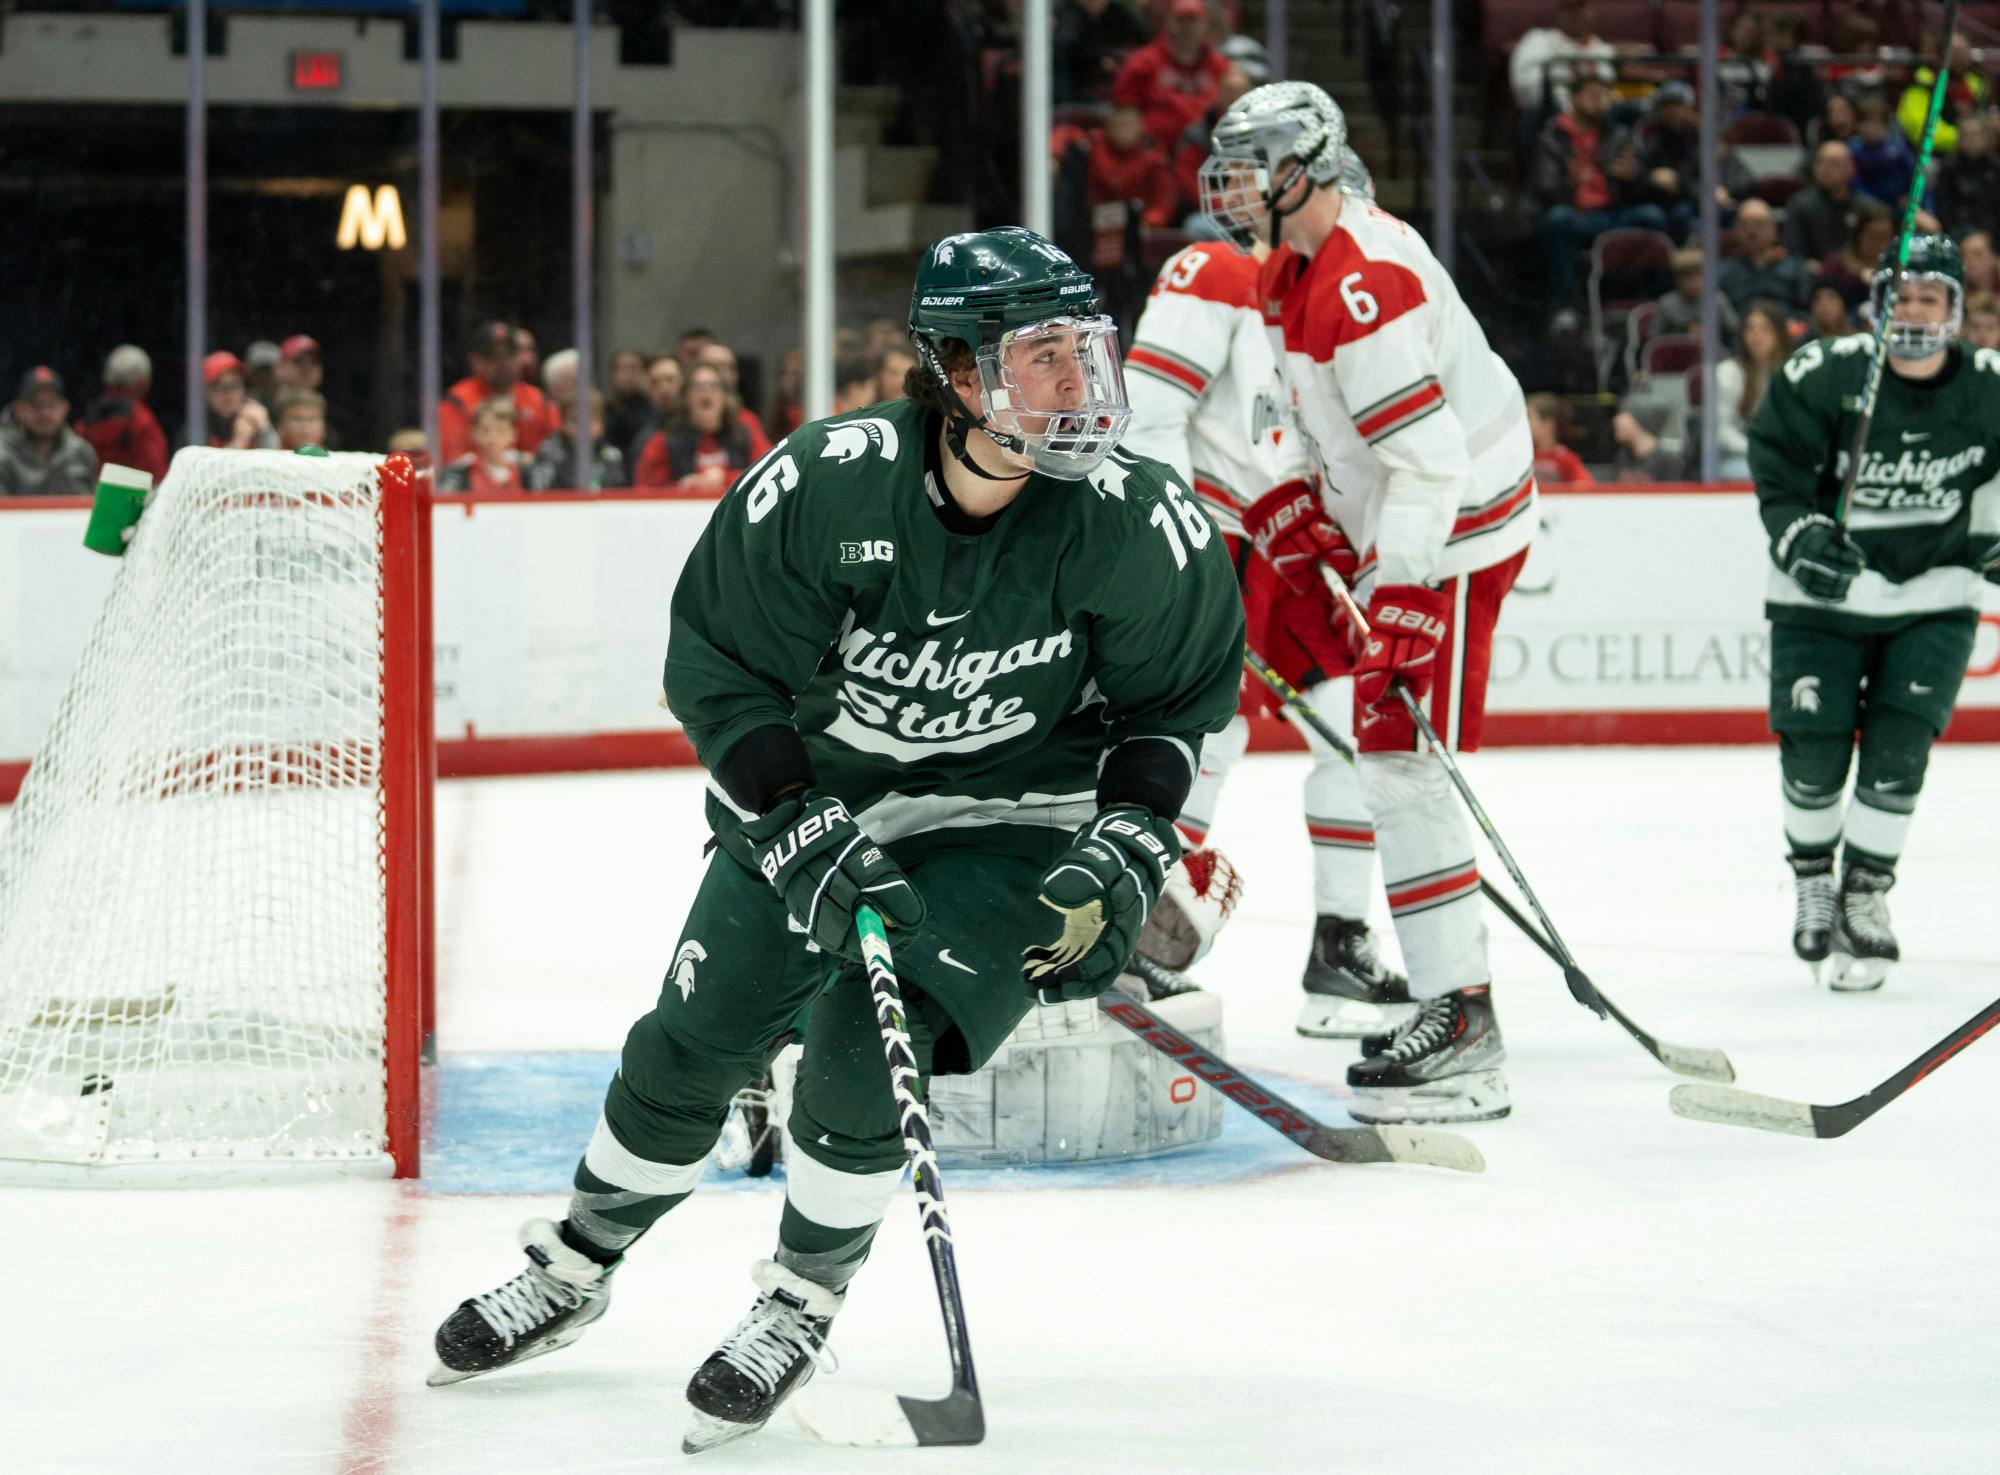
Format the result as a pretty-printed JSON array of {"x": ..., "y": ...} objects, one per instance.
[
  {"x": 525, "y": 1302},
  {"x": 765, "y": 1342},
  {"x": 1431, "y": 1028},
  {"x": 1815, "y": 904},
  {"x": 1864, "y": 905}
]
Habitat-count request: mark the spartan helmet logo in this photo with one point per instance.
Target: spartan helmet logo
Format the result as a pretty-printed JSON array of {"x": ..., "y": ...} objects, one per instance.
[
  {"x": 682, "y": 972},
  {"x": 1805, "y": 694}
]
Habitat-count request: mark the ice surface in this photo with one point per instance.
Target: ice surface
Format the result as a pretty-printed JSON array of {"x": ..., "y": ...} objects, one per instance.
[{"x": 1622, "y": 1291}]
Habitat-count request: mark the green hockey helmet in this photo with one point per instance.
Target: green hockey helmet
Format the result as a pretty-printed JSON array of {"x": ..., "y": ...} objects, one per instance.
[
  {"x": 1933, "y": 258},
  {"x": 1051, "y": 383}
]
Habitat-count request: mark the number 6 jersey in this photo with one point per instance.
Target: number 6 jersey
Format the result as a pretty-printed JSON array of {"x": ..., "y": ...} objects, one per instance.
[
  {"x": 1420, "y": 427},
  {"x": 952, "y": 680}
]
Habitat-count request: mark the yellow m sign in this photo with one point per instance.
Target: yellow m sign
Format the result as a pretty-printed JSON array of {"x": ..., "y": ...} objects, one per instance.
[{"x": 371, "y": 223}]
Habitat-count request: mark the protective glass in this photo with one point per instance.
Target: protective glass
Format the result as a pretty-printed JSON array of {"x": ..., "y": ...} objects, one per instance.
[
  {"x": 1055, "y": 393},
  {"x": 1907, "y": 340},
  {"x": 1236, "y": 198}
]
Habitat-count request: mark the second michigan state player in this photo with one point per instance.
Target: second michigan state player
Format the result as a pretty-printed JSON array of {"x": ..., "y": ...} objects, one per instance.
[{"x": 1873, "y": 612}]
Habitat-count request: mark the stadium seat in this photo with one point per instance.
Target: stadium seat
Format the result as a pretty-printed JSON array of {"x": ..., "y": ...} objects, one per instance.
[
  {"x": 1627, "y": 268},
  {"x": 1776, "y": 190},
  {"x": 1640, "y": 325},
  {"x": 1772, "y": 128},
  {"x": 1671, "y": 353}
]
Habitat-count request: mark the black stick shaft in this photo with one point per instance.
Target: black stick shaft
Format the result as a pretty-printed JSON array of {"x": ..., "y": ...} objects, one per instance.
[{"x": 1873, "y": 385}]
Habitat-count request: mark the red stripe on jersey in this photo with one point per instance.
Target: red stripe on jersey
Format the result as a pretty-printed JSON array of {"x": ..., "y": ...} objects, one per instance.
[
  {"x": 1465, "y": 880},
  {"x": 1144, "y": 358},
  {"x": 1340, "y": 834},
  {"x": 1392, "y": 415},
  {"x": 1210, "y": 491},
  {"x": 1495, "y": 513}
]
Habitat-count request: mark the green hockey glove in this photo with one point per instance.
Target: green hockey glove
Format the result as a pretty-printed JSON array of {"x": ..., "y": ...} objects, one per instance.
[
  {"x": 1819, "y": 556},
  {"x": 1101, "y": 890},
  {"x": 824, "y": 866}
]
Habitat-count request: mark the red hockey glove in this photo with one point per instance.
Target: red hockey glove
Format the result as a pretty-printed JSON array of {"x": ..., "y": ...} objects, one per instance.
[
  {"x": 1291, "y": 529},
  {"x": 1407, "y": 625}
]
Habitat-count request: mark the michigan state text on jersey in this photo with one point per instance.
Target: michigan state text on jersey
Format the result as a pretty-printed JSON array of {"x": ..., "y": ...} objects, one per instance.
[
  {"x": 952, "y": 658},
  {"x": 1874, "y": 605}
]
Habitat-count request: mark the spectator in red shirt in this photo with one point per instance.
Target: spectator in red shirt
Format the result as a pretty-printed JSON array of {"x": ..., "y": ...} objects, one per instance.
[
  {"x": 1172, "y": 79},
  {"x": 722, "y": 358},
  {"x": 493, "y": 464},
  {"x": 705, "y": 450},
  {"x": 118, "y": 424},
  {"x": 1554, "y": 461},
  {"x": 492, "y": 357},
  {"x": 1589, "y": 177},
  {"x": 1127, "y": 165}
]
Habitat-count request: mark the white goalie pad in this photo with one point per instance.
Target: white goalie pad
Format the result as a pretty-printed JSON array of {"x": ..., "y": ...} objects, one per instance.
[
  {"x": 1071, "y": 1086},
  {"x": 1200, "y": 896}
]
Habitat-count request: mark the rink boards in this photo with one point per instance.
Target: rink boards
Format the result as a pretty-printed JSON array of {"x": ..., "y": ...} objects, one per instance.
[{"x": 1638, "y": 619}]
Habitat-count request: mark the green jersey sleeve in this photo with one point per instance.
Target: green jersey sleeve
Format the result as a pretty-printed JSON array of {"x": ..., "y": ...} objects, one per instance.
[
  {"x": 1792, "y": 437},
  {"x": 1166, "y": 642},
  {"x": 752, "y": 617}
]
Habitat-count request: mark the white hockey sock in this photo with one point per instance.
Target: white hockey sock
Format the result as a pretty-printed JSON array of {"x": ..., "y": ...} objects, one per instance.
[
  {"x": 1812, "y": 821},
  {"x": 1879, "y": 824},
  {"x": 1428, "y": 871},
  {"x": 1337, "y": 819},
  {"x": 1220, "y": 752}
]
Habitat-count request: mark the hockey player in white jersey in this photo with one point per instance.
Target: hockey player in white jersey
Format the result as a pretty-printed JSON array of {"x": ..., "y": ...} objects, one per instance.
[
  {"x": 1206, "y": 400},
  {"x": 1429, "y": 496}
]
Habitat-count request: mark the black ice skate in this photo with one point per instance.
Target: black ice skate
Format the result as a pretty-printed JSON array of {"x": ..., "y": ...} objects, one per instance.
[
  {"x": 1443, "y": 1066},
  {"x": 771, "y": 1355},
  {"x": 1812, "y": 920},
  {"x": 545, "y": 1307},
  {"x": 1350, "y": 993},
  {"x": 1863, "y": 945}
]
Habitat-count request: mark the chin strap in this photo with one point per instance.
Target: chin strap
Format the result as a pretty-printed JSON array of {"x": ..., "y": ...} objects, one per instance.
[{"x": 954, "y": 439}]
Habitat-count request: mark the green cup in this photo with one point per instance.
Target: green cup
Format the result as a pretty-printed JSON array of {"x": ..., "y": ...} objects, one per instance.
[{"x": 121, "y": 497}]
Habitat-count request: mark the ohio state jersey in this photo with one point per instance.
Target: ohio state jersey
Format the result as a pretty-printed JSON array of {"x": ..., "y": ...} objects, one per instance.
[
  {"x": 1420, "y": 428},
  {"x": 1205, "y": 393}
]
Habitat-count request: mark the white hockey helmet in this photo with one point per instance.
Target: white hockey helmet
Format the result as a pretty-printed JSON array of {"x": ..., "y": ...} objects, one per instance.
[{"x": 1270, "y": 138}]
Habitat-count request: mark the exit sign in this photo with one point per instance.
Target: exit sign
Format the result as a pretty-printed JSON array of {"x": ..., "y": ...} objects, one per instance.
[{"x": 316, "y": 71}]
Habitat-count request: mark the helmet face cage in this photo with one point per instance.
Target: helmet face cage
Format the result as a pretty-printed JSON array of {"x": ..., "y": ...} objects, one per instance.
[
  {"x": 1022, "y": 379},
  {"x": 1262, "y": 129},
  {"x": 1907, "y": 340},
  {"x": 1236, "y": 198}
]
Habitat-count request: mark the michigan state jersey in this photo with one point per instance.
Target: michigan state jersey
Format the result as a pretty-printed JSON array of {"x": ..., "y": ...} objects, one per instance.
[
  {"x": 947, "y": 674},
  {"x": 1928, "y": 494}
]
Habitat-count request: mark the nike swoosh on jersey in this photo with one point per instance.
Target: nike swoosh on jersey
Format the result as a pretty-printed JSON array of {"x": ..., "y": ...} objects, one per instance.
[
  {"x": 945, "y": 957},
  {"x": 933, "y": 618}
]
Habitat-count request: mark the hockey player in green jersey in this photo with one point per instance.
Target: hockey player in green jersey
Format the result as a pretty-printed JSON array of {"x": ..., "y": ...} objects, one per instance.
[
  {"x": 1873, "y": 614},
  {"x": 953, "y": 656}
]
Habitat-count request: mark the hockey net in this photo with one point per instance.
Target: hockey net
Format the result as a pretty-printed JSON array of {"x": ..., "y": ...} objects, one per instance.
[{"x": 210, "y": 906}]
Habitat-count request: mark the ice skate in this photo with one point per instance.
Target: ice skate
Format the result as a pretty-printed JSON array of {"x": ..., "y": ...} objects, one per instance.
[
  {"x": 772, "y": 1354},
  {"x": 545, "y": 1307},
  {"x": 1812, "y": 917},
  {"x": 1350, "y": 993},
  {"x": 1443, "y": 1066},
  {"x": 1863, "y": 944}
]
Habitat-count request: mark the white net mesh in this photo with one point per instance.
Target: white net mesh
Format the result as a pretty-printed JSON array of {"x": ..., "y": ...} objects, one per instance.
[{"x": 192, "y": 916}]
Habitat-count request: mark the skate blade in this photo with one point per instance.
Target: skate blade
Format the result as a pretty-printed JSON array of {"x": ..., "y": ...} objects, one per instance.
[
  {"x": 1324, "y": 1017},
  {"x": 1476, "y": 1096},
  {"x": 443, "y": 1377},
  {"x": 705, "y": 1431},
  {"x": 1846, "y": 975}
]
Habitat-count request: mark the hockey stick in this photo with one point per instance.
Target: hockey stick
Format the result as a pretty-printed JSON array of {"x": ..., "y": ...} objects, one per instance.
[
  {"x": 1691, "y": 1060},
  {"x": 873, "y": 1418},
  {"x": 1796, "y": 1118},
  {"x": 1873, "y": 385},
  {"x": 1335, "y": 1144}
]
